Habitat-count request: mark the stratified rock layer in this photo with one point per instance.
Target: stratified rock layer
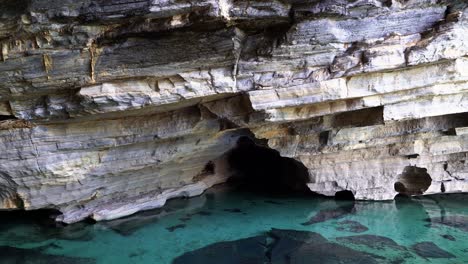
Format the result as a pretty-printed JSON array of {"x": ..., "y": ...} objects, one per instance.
[{"x": 112, "y": 107}]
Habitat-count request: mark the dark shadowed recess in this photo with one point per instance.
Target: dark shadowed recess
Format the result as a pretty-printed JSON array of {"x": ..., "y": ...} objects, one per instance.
[
  {"x": 413, "y": 181},
  {"x": 344, "y": 195},
  {"x": 6, "y": 117},
  {"x": 42, "y": 226},
  {"x": 42, "y": 217},
  {"x": 261, "y": 169}
]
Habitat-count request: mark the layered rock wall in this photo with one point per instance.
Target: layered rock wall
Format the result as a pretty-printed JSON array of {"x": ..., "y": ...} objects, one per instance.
[{"x": 111, "y": 107}]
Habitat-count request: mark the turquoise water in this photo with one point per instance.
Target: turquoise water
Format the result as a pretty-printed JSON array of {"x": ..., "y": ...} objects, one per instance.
[{"x": 429, "y": 229}]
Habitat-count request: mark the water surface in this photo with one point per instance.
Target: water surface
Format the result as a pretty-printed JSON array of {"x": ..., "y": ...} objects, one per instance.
[{"x": 226, "y": 226}]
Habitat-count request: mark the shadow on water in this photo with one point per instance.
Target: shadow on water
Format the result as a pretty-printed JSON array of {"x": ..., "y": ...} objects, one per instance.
[
  {"x": 24, "y": 256},
  {"x": 39, "y": 225}
]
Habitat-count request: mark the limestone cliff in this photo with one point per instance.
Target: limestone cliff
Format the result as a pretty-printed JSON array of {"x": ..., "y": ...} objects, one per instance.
[{"x": 109, "y": 107}]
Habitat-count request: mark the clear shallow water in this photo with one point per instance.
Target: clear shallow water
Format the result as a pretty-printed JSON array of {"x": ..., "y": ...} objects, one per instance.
[{"x": 340, "y": 232}]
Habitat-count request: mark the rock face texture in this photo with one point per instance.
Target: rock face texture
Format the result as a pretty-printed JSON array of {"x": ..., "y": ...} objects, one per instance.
[{"x": 111, "y": 107}]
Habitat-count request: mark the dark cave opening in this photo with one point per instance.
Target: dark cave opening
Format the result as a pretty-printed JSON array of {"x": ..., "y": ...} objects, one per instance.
[
  {"x": 413, "y": 181},
  {"x": 41, "y": 217},
  {"x": 6, "y": 117},
  {"x": 261, "y": 169},
  {"x": 345, "y": 196}
]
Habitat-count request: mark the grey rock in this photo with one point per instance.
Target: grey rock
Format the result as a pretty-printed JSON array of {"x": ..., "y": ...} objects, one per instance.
[
  {"x": 108, "y": 108},
  {"x": 430, "y": 250}
]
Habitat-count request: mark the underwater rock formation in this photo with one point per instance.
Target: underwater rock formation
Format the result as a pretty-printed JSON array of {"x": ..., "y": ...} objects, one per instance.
[
  {"x": 20, "y": 255},
  {"x": 280, "y": 246},
  {"x": 112, "y": 107}
]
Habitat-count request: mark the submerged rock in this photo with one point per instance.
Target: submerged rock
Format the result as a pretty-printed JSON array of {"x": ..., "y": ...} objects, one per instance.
[
  {"x": 456, "y": 221},
  {"x": 449, "y": 237},
  {"x": 430, "y": 250},
  {"x": 248, "y": 250},
  {"x": 233, "y": 210},
  {"x": 273, "y": 202},
  {"x": 301, "y": 236},
  {"x": 202, "y": 213},
  {"x": 384, "y": 247},
  {"x": 334, "y": 213},
  {"x": 175, "y": 227},
  {"x": 330, "y": 253},
  {"x": 137, "y": 253},
  {"x": 372, "y": 241},
  {"x": 351, "y": 226},
  {"x": 128, "y": 225},
  {"x": 11, "y": 255},
  {"x": 279, "y": 246}
]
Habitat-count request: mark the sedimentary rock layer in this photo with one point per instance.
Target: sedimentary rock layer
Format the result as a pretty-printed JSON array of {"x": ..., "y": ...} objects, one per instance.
[{"x": 112, "y": 107}]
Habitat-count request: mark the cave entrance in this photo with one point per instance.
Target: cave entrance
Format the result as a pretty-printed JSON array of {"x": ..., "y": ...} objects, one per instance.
[
  {"x": 345, "y": 195},
  {"x": 413, "y": 181},
  {"x": 7, "y": 117},
  {"x": 254, "y": 167}
]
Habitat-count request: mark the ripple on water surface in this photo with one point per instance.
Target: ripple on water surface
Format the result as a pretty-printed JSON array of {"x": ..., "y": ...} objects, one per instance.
[{"x": 225, "y": 226}]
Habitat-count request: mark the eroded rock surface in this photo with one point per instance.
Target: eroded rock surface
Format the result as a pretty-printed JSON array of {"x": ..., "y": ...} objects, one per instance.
[{"x": 112, "y": 107}]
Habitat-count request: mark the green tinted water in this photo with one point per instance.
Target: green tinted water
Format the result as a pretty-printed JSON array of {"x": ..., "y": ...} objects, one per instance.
[{"x": 182, "y": 226}]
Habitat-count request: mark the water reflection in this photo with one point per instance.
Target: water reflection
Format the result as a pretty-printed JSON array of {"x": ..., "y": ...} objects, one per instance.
[{"x": 128, "y": 225}]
